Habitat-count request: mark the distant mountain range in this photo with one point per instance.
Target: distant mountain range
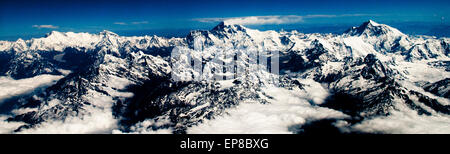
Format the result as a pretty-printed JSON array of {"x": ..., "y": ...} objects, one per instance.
[
  {"x": 410, "y": 28},
  {"x": 370, "y": 79}
]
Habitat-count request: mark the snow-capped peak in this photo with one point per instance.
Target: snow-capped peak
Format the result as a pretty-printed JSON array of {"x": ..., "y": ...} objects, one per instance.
[
  {"x": 106, "y": 32},
  {"x": 373, "y": 23},
  {"x": 226, "y": 27},
  {"x": 371, "y": 28},
  {"x": 54, "y": 34},
  {"x": 221, "y": 25},
  {"x": 20, "y": 45},
  {"x": 20, "y": 40}
]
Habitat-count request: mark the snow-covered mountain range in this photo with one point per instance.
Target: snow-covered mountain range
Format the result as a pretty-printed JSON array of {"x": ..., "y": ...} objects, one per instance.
[{"x": 369, "y": 79}]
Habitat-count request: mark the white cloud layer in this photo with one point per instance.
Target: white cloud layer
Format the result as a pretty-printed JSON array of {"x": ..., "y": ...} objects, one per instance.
[
  {"x": 132, "y": 23},
  {"x": 120, "y": 23},
  {"x": 406, "y": 121},
  {"x": 8, "y": 127},
  {"x": 10, "y": 87},
  {"x": 262, "y": 20},
  {"x": 288, "y": 108},
  {"x": 139, "y": 22},
  {"x": 45, "y": 26},
  {"x": 275, "y": 19},
  {"x": 255, "y": 20},
  {"x": 99, "y": 122},
  {"x": 143, "y": 128}
]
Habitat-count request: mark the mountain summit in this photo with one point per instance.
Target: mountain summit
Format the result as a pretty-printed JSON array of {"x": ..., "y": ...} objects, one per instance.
[
  {"x": 372, "y": 29},
  {"x": 106, "y": 32},
  {"x": 229, "y": 28}
]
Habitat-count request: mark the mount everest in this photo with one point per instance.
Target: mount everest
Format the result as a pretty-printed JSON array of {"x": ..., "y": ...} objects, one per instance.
[{"x": 369, "y": 79}]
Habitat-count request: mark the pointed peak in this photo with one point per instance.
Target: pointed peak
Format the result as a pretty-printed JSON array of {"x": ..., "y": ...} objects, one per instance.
[
  {"x": 372, "y": 23},
  {"x": 20, "y": 40},
  {"x": 20, "y": 45},
  {"x": 372, "y": 28},
  {"x": 106, "y": 32},
  {"x": 225, "y": 26},
  {"x": 220, "y": 26},
  {"x": 223, "y": 23},
  {"x": 54, "y": 33}
]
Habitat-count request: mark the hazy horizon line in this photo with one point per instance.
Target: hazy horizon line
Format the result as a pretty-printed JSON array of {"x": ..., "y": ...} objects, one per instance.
[{"x": 304, "y": 28}]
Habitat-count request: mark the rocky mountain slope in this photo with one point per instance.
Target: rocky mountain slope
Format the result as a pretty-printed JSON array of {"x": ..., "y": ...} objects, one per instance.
[{"x": 368, "y": 72}]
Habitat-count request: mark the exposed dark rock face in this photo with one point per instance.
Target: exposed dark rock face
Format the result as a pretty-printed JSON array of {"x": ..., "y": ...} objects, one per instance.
[{"x": 440, "y": 88}]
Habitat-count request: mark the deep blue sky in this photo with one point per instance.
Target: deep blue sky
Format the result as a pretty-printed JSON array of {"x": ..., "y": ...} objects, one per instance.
[{"x": 35, "y": 18}]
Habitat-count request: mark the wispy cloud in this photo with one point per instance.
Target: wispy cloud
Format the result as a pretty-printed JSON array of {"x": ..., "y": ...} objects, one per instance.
[
  {"x": 255, "y": 20},
  {"x": 139, "y": 22},
  {"x": 275, "y": 19},
  {"x": 120, "y": 23},
  {"x": 132, "y": 23},
  {"x": 340, "y": 15},
  {"x": 45, "y": 26}
]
